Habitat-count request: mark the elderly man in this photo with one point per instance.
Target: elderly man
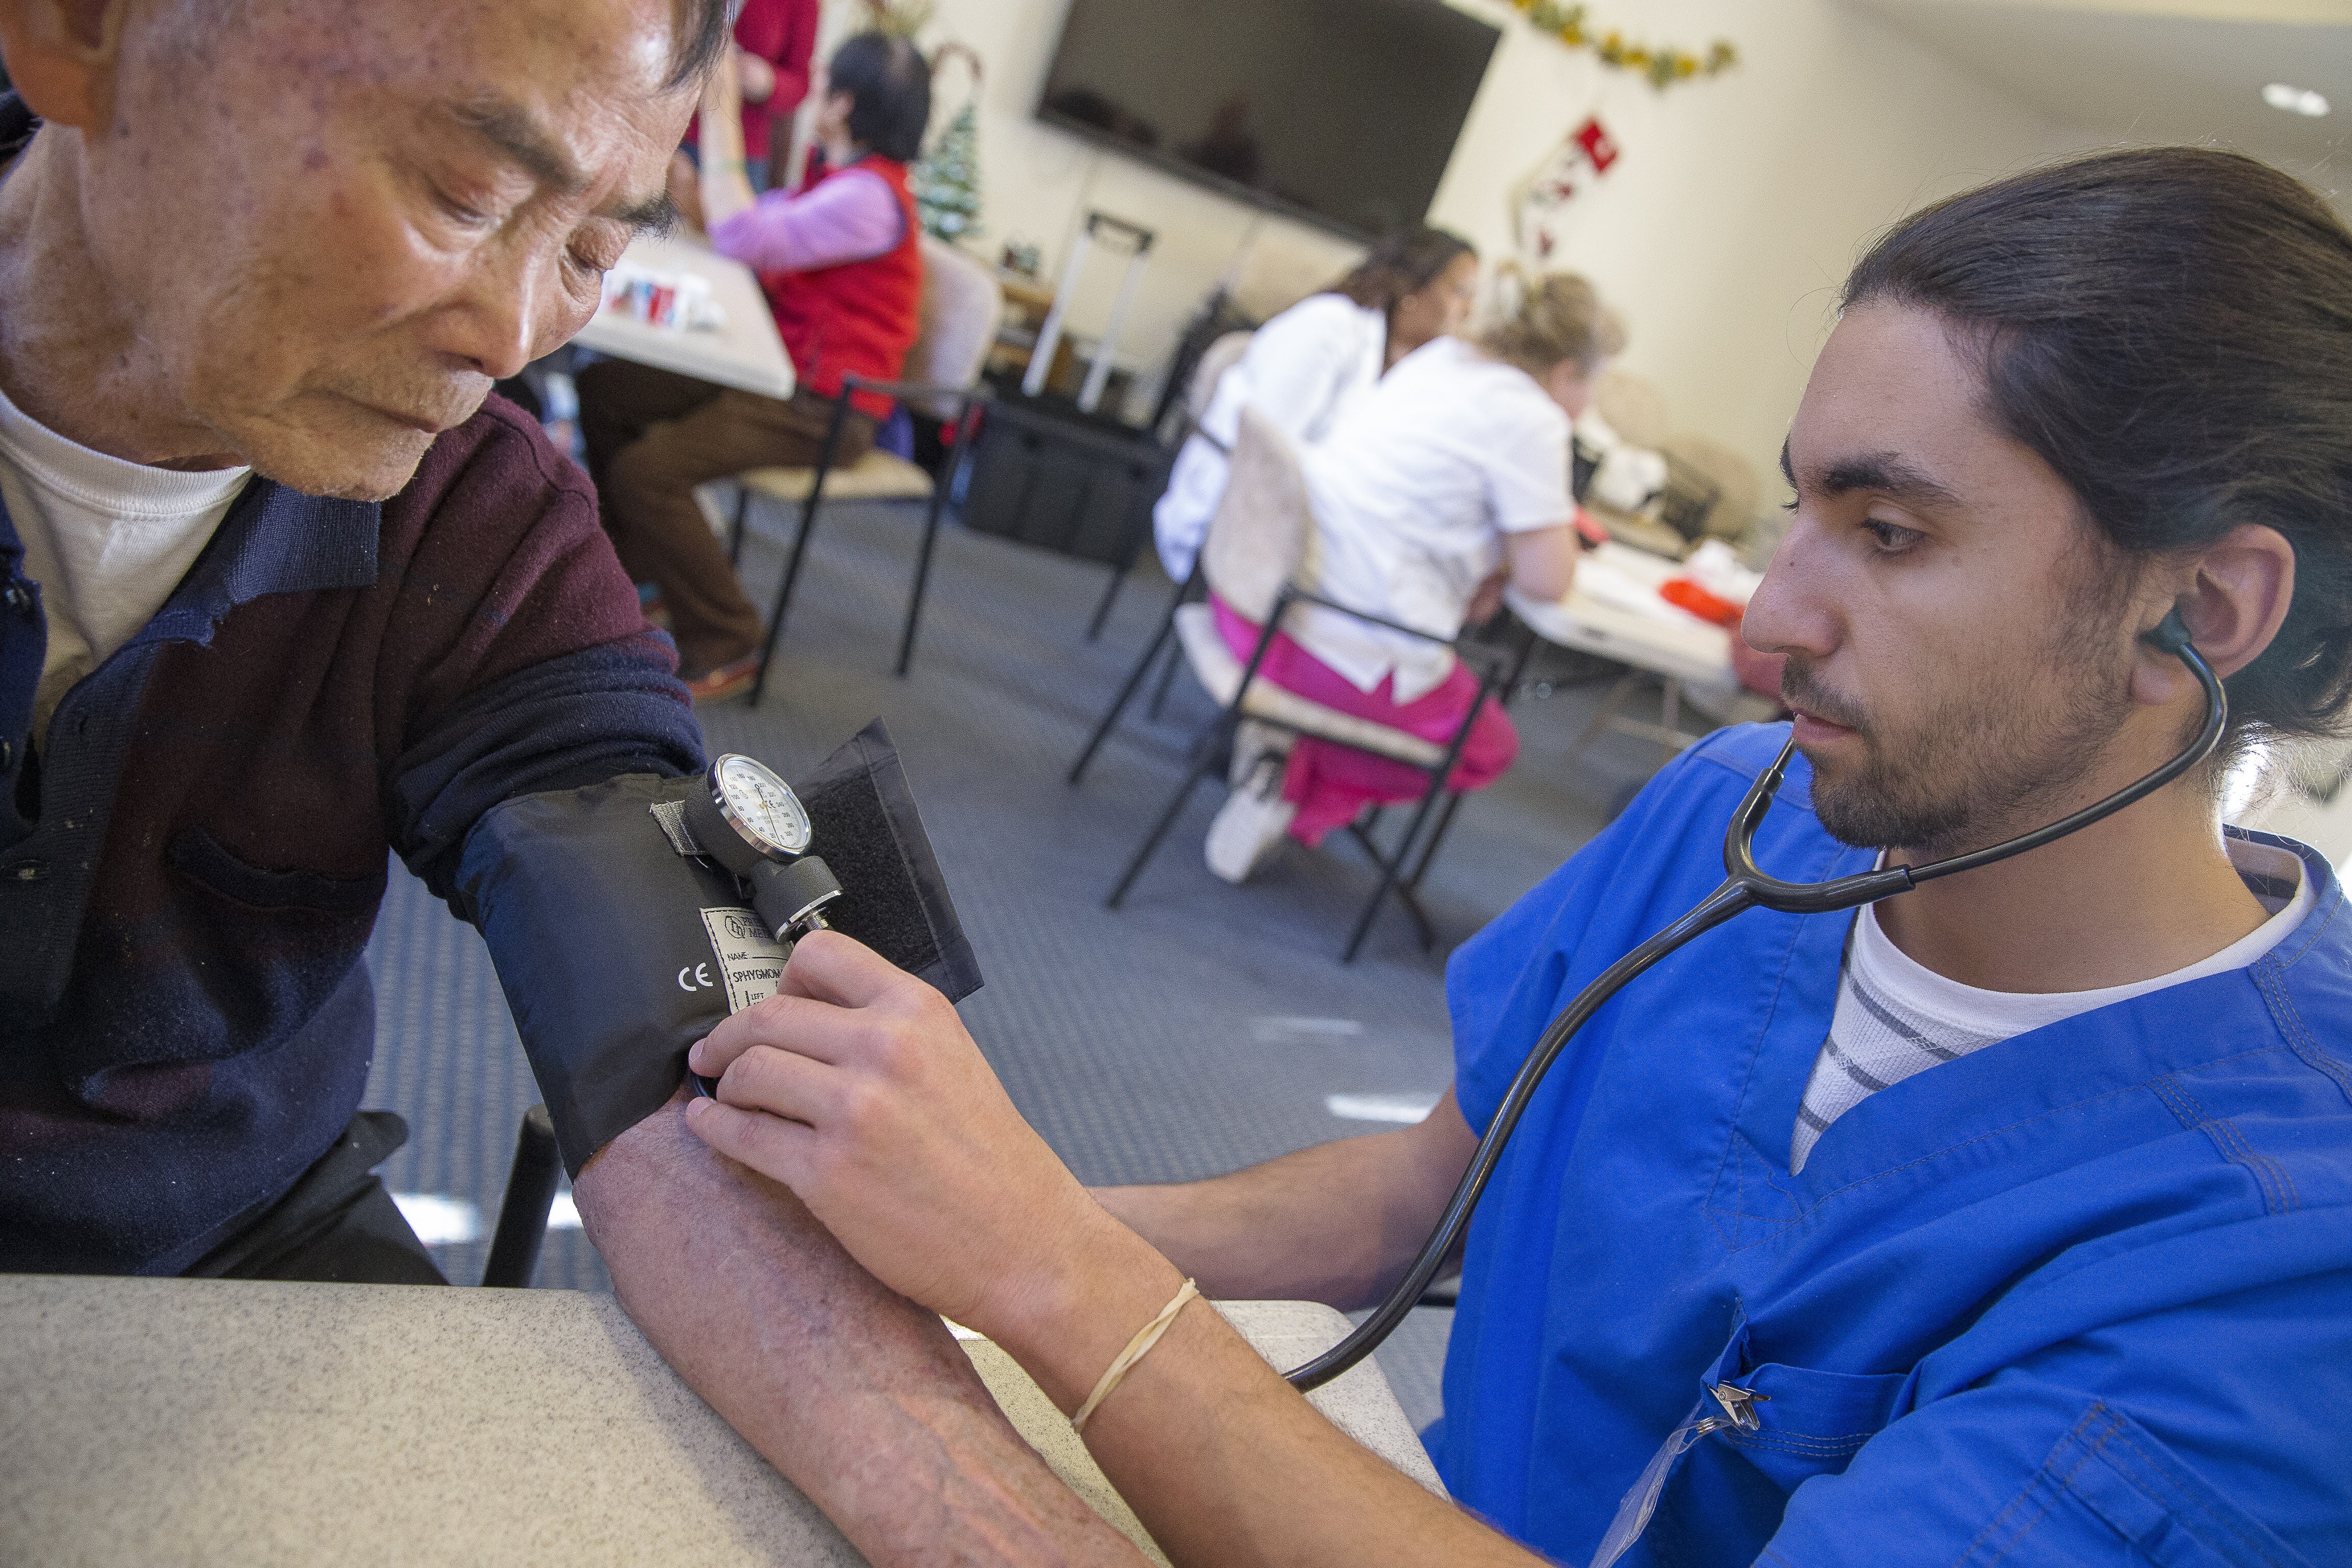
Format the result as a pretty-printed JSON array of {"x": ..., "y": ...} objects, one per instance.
[{"x": 278, "y": 590}]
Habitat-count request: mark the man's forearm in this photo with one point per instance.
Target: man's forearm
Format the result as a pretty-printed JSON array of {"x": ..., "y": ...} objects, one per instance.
[
  {"x": 1339, "y": 1223},
  {"x": 859, "y": 1397}
]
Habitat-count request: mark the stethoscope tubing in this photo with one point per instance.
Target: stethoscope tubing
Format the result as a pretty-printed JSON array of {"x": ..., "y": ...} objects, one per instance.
[{"x": 1744, "y": 886}]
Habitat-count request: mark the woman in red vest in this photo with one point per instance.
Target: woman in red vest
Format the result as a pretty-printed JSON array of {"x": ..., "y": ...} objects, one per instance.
[{"x": 839, "y": 262}]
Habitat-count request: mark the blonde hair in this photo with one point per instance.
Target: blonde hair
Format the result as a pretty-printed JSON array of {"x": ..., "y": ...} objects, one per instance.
[{"x": 1559, "y": 317}]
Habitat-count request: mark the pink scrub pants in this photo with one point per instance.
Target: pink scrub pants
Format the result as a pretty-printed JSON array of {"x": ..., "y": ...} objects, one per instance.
[{"x": 1330, "y": 783}]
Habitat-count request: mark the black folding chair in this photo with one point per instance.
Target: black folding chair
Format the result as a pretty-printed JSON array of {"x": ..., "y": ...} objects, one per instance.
[
  {"x": 1400, "y": 869},
  {"x": 781, "y": 483},
  {"x": 522, "y": 1213}
]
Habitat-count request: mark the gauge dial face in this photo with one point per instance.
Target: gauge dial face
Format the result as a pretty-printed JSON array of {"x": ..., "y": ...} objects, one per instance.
[{"x": 762, "y": 807}]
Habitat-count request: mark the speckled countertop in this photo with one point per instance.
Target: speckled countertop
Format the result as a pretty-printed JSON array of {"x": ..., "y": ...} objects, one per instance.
[{"x": 203, "y": 1421}]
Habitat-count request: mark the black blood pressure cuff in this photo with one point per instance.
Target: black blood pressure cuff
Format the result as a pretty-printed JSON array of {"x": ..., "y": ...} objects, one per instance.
[{"x": 617, "y": 952}]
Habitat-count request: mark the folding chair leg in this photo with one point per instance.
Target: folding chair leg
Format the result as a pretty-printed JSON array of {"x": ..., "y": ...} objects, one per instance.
[
  {"x": 1168, "y": 670},
  {"x": 1362, "y": 830},
  {"x": 742, "y": 523},
  {"x": 1423, "y": 928},
  {"x": 1201, "y": 753},
  {"x": 1429, "y": 850},
  {"x": 1167, "y": 679},
  {"x": 939, "y": 488},
  {"x": 1111, "y": 597},
  {"x": 1118, "y": 704},
  {"x": 785, "y": 598},
  {"x": 522, "y": 1214},
  {"x": 922, "y": 581},
  {"x": 1391, "y": 865},
  {"x": 800, "y": 544}
]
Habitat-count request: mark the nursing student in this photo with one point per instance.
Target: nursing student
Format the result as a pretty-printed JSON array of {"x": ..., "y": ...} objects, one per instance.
[
  {"x": 1311, "y": 361},
  {"x": 2008, "y": 1221},
  {"x": 1447, "y": 481}
]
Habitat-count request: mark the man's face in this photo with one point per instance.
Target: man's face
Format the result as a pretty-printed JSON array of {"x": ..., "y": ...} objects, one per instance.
[
  {"x": 336, "y": 225},
  {"x": 1959, "y": 638}
]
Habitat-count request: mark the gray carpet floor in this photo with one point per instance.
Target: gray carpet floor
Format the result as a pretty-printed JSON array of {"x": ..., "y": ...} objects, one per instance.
[{"x": 1200, "y": 1028}]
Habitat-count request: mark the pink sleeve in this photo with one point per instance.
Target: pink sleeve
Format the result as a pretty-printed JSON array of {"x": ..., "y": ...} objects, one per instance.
[{"x": 852, "y": 217}]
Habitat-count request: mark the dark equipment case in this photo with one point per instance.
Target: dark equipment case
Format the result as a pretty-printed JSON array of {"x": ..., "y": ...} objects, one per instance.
[{"x": 1079, "y": 484}]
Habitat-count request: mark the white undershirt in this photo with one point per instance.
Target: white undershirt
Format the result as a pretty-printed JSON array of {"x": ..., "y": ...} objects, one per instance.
[
  {"x": 107, "y": 540},
  {"x": 1895, "y": 1016}
]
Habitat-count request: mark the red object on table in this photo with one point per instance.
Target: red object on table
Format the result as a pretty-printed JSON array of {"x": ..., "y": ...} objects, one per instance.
[
  {"x": 1758, "y": 672},
  {"x": 1685, "y": 595}
]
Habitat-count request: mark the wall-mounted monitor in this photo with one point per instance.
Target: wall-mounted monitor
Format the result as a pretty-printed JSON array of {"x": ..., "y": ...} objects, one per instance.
[{"x": 1340, "y": 112}]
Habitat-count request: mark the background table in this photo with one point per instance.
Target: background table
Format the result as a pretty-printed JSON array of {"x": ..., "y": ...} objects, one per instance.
[
  {"x": 1614, "y": 611},
  {"x": 199, "y": 1422},
  {"x": 744, "y": 353}
]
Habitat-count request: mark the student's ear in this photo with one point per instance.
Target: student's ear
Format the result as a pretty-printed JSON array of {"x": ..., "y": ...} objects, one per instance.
[
  {"x": 61, "y": 56},
  {"x": 2233, "y": 597}
]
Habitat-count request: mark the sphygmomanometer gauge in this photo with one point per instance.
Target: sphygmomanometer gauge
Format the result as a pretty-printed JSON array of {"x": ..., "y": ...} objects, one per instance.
[
  {"x": 748, "y": 819},
  {"x": 747, "y": 814}
]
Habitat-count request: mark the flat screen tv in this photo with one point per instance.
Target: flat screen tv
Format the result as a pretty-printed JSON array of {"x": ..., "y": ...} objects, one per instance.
[{"x": 1342, "y": 112}]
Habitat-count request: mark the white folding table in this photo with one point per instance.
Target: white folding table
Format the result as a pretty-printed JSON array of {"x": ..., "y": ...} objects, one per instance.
[
  {"x": 743, "y": 352},
  {"x": 207, "y": 1422},
  {"x": 1615, "y": 612}
]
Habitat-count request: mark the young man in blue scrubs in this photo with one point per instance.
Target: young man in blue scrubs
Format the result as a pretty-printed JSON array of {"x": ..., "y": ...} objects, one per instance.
[{"x": 2015, "y": 1214}]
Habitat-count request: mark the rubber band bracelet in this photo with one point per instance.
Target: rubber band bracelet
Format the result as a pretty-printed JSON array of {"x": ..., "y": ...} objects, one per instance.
[{"x": 1137, "y": 1349}]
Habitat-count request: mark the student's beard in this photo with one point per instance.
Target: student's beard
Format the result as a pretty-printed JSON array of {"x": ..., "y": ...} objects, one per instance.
[{"x": 1963, "y": 774}]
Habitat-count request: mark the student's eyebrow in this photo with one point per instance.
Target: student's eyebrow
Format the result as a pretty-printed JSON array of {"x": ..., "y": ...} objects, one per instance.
[
  {"x": 1887, "y": 473},
  {"x": 516, "y": 137}
]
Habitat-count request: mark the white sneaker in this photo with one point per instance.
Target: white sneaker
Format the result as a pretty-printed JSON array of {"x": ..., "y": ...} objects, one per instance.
[
  {"x": 1250, "y": 826},
  {"x": 1254, "y": 741}
]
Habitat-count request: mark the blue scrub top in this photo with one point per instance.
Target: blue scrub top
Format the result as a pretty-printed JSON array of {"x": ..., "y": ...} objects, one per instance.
[{"x": 2081, "y": 1296}]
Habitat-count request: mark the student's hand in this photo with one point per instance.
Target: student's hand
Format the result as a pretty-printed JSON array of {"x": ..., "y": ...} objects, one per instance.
[
  {"x": 686, "y": 192},
  {"x": 722, "y": 97},
  {"x": 1488, "y": 599},
  {"x": 755, "y": 78},
  {"x": 857, "y": 1087}
]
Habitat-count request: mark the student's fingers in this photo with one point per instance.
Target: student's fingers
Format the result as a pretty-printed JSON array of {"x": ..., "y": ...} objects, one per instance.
[
  {"x": 818, "y": 1030},
  {"x": 839, "y": 969},
  {"x": 783, "y": 1083},
  {"x": 771, "y": 1145}
]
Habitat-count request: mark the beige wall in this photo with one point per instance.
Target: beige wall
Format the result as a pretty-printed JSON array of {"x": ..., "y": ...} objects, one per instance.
[{"x": 1736, "y": 207}]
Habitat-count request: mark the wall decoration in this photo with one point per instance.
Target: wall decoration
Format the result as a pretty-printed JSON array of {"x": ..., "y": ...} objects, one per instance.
[
  {"x": 1540, "y": 202},
  {"x": 903, "y": 19},
  {"x": 1571, "y": 24}
]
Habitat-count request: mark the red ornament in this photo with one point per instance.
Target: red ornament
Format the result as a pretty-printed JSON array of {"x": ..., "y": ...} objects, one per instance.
[{"x": 1597, "y": 145}]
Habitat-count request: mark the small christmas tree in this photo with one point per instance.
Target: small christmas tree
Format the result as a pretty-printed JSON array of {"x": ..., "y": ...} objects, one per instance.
[{"x": 946, "y": 179}]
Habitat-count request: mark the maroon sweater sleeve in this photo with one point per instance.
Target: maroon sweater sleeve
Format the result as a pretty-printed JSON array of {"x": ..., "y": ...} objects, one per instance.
[{"x": 516, "y": 660}]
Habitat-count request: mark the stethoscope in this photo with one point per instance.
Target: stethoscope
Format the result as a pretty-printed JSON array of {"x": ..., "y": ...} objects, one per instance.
[{"x": 1744, "y": 886}]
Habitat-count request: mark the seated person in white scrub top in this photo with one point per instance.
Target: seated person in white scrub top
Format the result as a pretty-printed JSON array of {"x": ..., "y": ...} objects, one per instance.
[
  {"x": 1311, "y": 361},
  {"x": 1447, "y": 481}
]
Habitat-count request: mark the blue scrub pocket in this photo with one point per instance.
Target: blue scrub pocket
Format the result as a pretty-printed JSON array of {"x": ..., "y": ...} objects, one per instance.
[
  {"x": 1716, "y": 1489},
  {"x": 1811, "y": 1423}
]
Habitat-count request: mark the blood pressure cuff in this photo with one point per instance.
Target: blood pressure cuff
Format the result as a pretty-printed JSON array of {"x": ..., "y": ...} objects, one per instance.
[{"x": 618, "y": 953}]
